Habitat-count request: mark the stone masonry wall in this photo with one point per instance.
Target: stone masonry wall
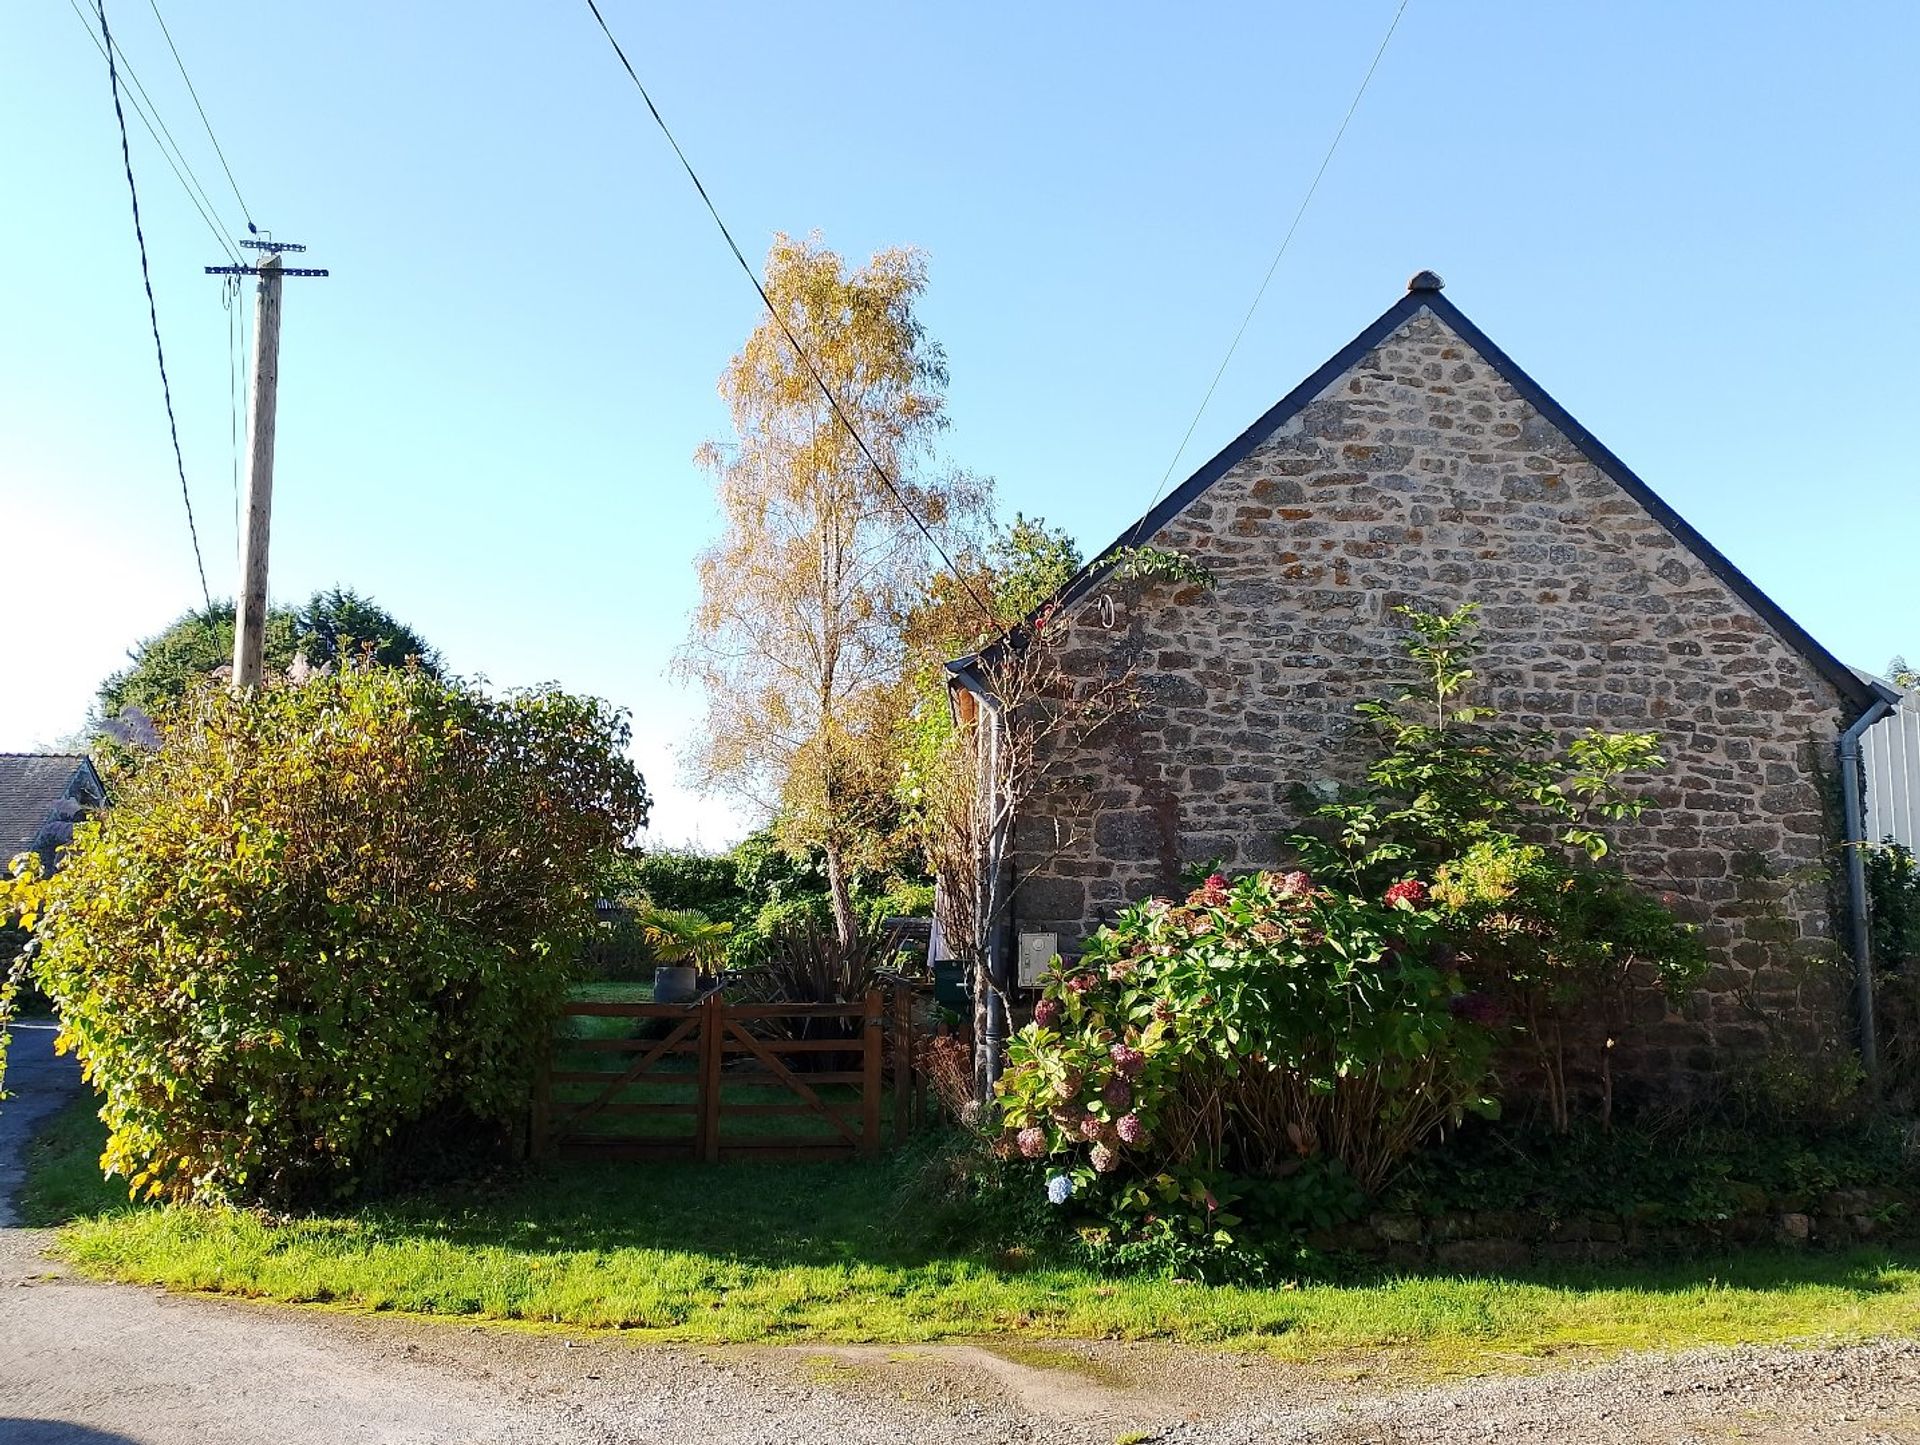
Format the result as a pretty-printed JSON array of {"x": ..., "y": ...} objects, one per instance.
[{"x": 1421, "y": 476}]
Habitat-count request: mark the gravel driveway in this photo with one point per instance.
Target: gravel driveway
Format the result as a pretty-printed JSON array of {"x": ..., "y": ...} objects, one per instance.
[{"x": 90, "y": 1364}]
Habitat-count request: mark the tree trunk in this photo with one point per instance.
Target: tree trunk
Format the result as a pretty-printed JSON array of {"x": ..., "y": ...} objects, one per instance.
[{"x": 844, "y": 925}]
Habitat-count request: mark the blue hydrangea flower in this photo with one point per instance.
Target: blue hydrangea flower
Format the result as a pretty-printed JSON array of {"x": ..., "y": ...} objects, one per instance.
[{"x": 1059, "y": 1189}]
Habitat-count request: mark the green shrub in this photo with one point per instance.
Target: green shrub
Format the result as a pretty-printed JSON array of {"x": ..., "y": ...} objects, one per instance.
[
  {"x": 1264, "y": 1029},
  {"x": 680, "y": 878},
  {"x": 1512, "y": 828},
  {"x": 1563, "y": 946},
  {"x": 322, "y": 913},
  {"x": 1893, "y": 898}
]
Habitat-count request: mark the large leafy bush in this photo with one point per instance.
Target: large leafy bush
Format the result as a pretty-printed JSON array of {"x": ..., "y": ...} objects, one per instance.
[
  {"x": 1512, "y": 826},
  {"x": 322, "y": 913},
  {"x": 1263, "y": 1023}
]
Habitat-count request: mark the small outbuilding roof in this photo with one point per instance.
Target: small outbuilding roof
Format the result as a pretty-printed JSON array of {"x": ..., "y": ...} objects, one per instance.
[{"x": 34, "y": 790}]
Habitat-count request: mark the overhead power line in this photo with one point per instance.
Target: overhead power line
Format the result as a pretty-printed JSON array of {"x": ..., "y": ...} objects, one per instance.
[
  {"x": 153, "y": 311},
  {"x": 170, "y": 152},
  {"x": 244, "y": 211},
  {"x": 1285, "y": 241},
  {"x": 806, "y": 360}
]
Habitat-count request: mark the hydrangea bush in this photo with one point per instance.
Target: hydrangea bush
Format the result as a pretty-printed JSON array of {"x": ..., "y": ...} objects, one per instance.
[{"x": 1262, "y": 1024}]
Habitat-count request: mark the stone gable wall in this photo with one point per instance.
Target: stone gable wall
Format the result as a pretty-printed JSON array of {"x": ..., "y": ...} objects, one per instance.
[{"x": 1420, "y": 476}]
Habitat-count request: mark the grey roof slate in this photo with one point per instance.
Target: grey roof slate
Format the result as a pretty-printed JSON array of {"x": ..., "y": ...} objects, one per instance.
[{"x": 32, "y": 786}]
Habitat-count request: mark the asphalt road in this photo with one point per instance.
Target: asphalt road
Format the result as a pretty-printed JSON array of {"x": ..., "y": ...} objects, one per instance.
[
  {"x": 37, "y": 1084},
  {"x": 91, "y": 1364}
]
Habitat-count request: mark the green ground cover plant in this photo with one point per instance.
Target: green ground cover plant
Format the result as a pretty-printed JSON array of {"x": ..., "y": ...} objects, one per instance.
[
  {"x": 773, "y": 1253},
  {"x": 1679, "y": 1169}
]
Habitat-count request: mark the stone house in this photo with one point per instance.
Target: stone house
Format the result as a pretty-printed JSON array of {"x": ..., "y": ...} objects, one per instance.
[
  {"x": 1421, "y": 465},
  {"x": 42, "y": 795}
]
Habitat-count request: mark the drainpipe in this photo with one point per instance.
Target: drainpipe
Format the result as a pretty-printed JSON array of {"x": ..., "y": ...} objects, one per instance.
[
  {"x": 1854, "y": 825},
  {"x": 991, "y": 1047}
]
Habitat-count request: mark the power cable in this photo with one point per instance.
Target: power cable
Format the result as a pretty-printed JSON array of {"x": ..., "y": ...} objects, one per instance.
[
  {"x": 1285, "y": 242},
  {"x": 798, "y": 350},
  {"x": 203, "y": 116},
  {"x": 196, "y": 193},
  {"x": 153, "y": 310}
]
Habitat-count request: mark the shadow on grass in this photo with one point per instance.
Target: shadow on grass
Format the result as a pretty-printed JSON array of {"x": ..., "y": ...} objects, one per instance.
[{"x": 779, "y": 1216}]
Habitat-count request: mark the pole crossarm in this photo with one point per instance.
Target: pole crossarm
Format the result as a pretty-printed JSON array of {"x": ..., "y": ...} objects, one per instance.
[{"x": 255, "y": 271}]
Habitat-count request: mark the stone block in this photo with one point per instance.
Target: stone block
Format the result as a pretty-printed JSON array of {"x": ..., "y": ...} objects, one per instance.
[
  {"x": 1509, "y": 1224},
  {"x": 1483, "y": 1256},
  {"x": 1399, "y": 1228}
]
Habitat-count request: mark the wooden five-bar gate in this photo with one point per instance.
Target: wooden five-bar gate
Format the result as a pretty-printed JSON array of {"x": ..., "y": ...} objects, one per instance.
[{"x": 669, "y": 1081}]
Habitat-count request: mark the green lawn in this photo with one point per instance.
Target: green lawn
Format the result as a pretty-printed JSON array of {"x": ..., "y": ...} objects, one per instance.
[
  {"x": 612, "y": 991},
  {"x": 766, "y": 1252}
]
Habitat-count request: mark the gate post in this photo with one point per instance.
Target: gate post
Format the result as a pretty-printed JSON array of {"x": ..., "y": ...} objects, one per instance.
[
  {"x": 712, "y": 1028},
  {"x": 870, "y": 1074},
  {"x": 902, "y": 1063}
]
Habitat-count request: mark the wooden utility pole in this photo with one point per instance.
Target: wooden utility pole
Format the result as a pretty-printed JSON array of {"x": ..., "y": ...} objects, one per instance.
[
  {"x": 250, "y": 607},
  {"x": 250, "y": 618}
]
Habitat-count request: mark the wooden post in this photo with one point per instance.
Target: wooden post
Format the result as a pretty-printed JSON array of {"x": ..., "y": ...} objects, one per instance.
[
  {"x": 712, "y": 1036},
  {"x": 250, "y": 620},
  {"x": 920, "y": 1114},
  {"x": 870, "y": 1074},
  {"x": 540, "y": 1117},
  {"x": 902, "y": 1063}
]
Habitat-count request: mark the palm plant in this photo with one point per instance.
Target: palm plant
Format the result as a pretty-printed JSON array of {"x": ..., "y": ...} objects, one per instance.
[{"x": 686, "y": 936}]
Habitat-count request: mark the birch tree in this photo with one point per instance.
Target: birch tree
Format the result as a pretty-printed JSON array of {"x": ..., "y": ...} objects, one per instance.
[{"x": 797, "y": 641}]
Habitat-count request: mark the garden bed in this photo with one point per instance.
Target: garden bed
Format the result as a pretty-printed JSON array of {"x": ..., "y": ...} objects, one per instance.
[{"x": 1503, "y": 1239}]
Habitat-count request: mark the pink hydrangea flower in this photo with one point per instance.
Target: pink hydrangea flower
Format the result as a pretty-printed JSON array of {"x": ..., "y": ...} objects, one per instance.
[
  {"x": 1093, "y": 1128},
  {"x": 1046, "y": 1013},
  {"x": 1032, "y": 1143},
  {"x": 1216, "y": 883},
  {"x": 1104, "y": 1160},
  {"x": 1118, "y": 1093},
  {"x": 1294, "y": 885},
  {"x": 1130, "y": 1128},
  {"x": 1410, "y": 891},
  {"x": 1081, "y": 983},
  {"x": 1128, "y": 1060}
]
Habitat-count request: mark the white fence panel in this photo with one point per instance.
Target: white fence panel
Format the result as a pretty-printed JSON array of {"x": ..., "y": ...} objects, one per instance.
[{"x": 1891, "y": 756}]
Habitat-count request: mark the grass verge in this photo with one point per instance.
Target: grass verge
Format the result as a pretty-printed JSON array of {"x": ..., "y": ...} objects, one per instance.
[{"x": 790, "y": 1252}]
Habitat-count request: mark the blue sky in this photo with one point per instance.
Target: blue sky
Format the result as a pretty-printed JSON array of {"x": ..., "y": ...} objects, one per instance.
[{"x": 1694, "y": 224}]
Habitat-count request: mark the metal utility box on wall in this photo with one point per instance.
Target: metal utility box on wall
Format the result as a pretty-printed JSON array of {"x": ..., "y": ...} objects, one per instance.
[{"x": 1037, "y": 952}]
